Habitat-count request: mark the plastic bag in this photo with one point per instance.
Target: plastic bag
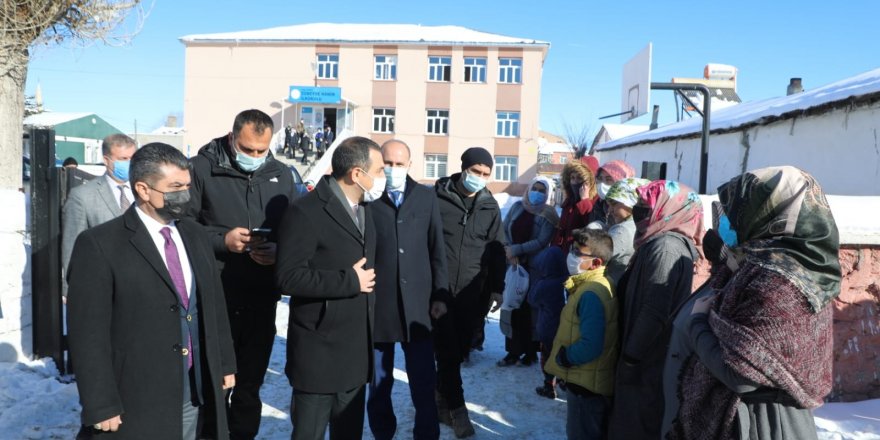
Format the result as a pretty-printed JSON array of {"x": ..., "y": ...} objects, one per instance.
[{"x": 516, "y": 286}]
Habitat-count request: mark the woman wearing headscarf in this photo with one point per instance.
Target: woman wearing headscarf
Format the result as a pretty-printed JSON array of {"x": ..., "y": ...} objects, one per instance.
[
  {"x": 620, "y": 199},
  {"x": 528, "y": 227},
  {"x": 579, "y": 186},
  {"x": 606, "y": 176},
  {"x": 754, "y": 345},
  {"x": 669, "y": 227}
]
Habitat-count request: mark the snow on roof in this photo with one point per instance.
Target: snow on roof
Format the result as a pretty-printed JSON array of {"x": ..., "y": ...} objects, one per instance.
[
  {"x": 373, "y": 33},
  {"x": 617, "y": 131},
  {"x": 51, "y": 119},
  {"x": 554, "y": 147},
  {"x": 752, "y": 112},
  {"x": 166, "y": 130}
]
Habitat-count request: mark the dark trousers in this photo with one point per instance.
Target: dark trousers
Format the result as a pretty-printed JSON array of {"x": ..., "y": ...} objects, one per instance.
[
  {"x": 343, "y": 411},
  {"x": 587, "y": 416},
  {"x": 521, "y": 342},
  {"x": 453, "y": 338},
  {"x": 253, "y": 333},
  {"x": 420, "y": 372}
]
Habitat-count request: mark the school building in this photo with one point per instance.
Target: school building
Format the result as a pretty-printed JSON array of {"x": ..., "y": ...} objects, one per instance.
[{"x": 441, "y": 89}]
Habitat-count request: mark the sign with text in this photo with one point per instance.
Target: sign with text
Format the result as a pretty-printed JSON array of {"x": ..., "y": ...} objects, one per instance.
[{"x": 315, "y": 95}]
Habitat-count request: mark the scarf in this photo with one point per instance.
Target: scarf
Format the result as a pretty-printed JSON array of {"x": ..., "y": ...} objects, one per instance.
[
  {"x": 547, "y": 211},
  {"x": 784, "y": 223},
  {"x": 674, "y": 208},
  {"x": 624, "y": 191},
  {"x": 618, "y": 170}
]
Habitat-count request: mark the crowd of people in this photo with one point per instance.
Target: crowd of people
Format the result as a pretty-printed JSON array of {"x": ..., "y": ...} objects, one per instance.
[{"x": 175, "y": 266}]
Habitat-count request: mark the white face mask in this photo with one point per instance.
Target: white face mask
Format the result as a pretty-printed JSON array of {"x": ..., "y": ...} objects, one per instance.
[
  {"x": 574, "y": 264},
  {"x": 602, "y": 189},
  {"x": 396, "y": 177},
  {"x": 375, "y": 192}
]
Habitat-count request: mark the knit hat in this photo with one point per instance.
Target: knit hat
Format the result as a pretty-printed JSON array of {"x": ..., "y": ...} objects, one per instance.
[
  {"x": 618, "y": 170},
  {"x": 476, "y": 155}
]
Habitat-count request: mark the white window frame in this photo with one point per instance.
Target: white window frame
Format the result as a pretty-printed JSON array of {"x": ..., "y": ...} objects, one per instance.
[
  {"x": 327, "y": 66},
  {"x": 435, "y": 166},
  {"x": 475, "y": 69},
  {"x": 506, "y": 168},
  {"x": 383, "y": 120},
  {"x": 439, "y": 68},
  {"x": 507, "y": 124},
  {"x": 438, "y": 122},
  {"x": 510, "y": 70},
  {"x": 385, "y": 67}
]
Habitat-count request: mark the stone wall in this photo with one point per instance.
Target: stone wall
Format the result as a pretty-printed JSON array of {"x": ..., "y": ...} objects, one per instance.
[
  {"x": 16, "y": 328},
  {"x": 856, "y": 324}
]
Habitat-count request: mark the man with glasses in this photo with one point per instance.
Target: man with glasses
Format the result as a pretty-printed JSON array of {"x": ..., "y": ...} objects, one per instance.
[{"x": 240, "y": 192}]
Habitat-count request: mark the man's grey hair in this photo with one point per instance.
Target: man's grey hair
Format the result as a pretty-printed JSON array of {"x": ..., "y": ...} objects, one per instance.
[{"x": 116, "y": 140}]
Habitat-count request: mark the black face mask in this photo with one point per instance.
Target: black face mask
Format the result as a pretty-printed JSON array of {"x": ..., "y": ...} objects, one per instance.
[
  {"x": 640, "y": 213},
  {"x": 176, "y": 203}
]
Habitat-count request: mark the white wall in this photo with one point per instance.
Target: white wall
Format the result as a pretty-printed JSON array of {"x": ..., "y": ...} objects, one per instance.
[
  {"x": 16, "y": 323},
  {"x": 841, "y": 148}
]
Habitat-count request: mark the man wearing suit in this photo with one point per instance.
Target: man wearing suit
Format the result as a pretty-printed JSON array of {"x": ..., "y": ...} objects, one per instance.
[
  {"x": 101, "y": 199},
  {"x": 149, "y": 336},
  {"x": 326, "y": 248},
  {"x": 411, "y": 288}
]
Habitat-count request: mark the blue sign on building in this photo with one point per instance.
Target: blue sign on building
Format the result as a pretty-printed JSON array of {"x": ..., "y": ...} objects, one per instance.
[{"x": 315, "y": 95}]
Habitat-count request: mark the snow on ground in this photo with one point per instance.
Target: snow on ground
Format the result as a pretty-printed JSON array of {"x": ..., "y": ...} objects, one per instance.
[{"x": 34, "y": 404}]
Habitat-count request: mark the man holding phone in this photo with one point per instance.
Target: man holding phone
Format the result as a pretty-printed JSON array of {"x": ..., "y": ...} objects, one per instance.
[{"x": 239, "y": 193}]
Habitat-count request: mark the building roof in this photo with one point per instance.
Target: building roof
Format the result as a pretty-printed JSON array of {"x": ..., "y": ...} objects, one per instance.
[
  {"x": 366, "y": 33},
  {"x": 762, "y": 111},
  {"x": 618, "y": 131},
  {"x": 51, "y": 119}
]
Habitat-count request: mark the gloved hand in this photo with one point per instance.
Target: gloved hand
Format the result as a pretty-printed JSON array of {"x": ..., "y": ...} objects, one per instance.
[{"x": 562, "y": 358}]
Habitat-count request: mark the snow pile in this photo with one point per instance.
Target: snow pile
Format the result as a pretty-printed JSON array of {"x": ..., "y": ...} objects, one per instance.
[{"x": 34, "y": 404}]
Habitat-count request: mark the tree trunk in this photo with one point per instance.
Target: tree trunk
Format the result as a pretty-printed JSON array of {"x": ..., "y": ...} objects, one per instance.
[{"x": 13, "y": 72}]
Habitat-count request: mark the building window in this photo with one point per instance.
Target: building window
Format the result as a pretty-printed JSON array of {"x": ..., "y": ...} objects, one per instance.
[
  {"x": 435, "y": 166},
  {"x": 545, "y": 158},
  {"x": 439, "y": 68},
  {"x": 438, "y": 121},
  {"x": 510, "y": 70},
  {"x": 383, "y": 120},
  {"x": 507, "y": 124},
  {"x": 563, "y": 159},
  {"x": 475, "y": 70},
  {"x": 386, "y": 67},
  {"x": 328, "y": 66},
  {"x": 505, "y": 168}
]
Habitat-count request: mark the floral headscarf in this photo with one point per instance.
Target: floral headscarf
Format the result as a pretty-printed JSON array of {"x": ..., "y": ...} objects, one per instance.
[
  {"x": 783, "y": 223},
  {"x": 624, "y": 191},
  {"x": 545, "y": 210},
  {"x": 618, "y": 170},
  {"x": 674, "y": 208}
]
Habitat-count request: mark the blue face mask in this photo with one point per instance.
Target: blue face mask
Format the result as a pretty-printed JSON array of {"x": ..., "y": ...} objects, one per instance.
[
  {"x": 120, "y": 170},
  {"x": 727, "y": 234},
  {"x": 247, "y": 163},
  {"x": 473, "y": 183},
  {"x": 537, "y": 198}
]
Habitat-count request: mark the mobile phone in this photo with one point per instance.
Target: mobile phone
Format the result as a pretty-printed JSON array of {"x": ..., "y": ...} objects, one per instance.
[{"x": 261, "y": 232}]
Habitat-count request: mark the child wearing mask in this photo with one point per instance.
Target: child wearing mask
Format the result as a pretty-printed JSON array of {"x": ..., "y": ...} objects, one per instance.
[
  {"x": 585, "y": 349},
  {"x": 621, "y": 198}
]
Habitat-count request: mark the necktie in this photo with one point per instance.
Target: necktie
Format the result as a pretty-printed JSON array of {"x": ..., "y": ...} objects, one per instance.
[
  {"x": 396, "y": 197},
  {"x": 124, "y": 203},
  {"x": 172, "y": 260},
  {"x": 354, "y": 210}
]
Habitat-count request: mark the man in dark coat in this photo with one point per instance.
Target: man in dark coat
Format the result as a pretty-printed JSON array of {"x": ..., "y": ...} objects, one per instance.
[
  {"x": 149, "y": 337},
  {"x": 237, "y": 185},
  {"x": 410, "y": 282},
  {"x": 326, "y": 251},
  {"x": 474, "y": 237},
  {"x": 288, "y": 142}
]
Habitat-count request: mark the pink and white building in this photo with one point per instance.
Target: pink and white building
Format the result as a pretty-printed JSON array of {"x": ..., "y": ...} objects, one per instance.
[{"x": 441, "y": 89}]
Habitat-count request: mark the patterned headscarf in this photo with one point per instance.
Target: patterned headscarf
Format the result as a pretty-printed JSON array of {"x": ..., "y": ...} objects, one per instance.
[
  {"x": 624, "y": 191},
  {"x": 618, "y": 170},
  {"x": 674, "y": 208},
  {"x": 546, "y": 210},
  {"x": 784, "y": 224}
]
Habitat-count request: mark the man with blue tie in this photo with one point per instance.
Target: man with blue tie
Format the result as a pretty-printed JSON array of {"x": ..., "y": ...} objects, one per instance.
[
  {"x": 148, "y": 331},
  {"x": 411, "y": 288}
]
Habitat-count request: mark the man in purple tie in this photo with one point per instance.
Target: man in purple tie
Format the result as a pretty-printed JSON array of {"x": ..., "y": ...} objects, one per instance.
[{"x": 148, "y": 330}]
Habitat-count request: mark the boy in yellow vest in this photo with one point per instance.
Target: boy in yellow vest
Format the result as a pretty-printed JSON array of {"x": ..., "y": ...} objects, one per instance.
[{"x": 586, "y": 344}]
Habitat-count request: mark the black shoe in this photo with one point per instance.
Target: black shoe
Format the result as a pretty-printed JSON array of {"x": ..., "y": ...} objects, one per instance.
[
  {"x": 546, "y": 390},
  {"x": 528, "y": 360},
  {"x": 507, "y": 361}
]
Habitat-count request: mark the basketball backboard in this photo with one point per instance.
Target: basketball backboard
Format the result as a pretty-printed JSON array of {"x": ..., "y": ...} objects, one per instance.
[{"x": 635, "y": 98}]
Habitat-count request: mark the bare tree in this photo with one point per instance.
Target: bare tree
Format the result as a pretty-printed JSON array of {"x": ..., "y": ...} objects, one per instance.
[
  {"x": 25, "y": 24},
  {"x": 579, "y": 137}
]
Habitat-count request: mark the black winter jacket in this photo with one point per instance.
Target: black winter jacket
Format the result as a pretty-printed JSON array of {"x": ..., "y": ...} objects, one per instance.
[{"x": 225, "y": 197}]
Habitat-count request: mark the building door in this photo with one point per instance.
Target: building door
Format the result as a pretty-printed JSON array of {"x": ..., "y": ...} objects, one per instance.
[{"x": 330, "y": 118}]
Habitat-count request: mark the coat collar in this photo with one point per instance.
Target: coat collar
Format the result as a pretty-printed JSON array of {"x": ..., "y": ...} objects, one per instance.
[
  {"x": 107, "y": 195},
  {"x": 335, "y": 209}
]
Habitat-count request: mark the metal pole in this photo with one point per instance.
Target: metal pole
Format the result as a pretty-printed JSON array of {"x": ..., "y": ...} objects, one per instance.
[{"x": 707, "y": 107}]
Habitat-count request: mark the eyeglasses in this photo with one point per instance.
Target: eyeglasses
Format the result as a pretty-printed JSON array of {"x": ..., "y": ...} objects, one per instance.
[{"x": 577, "y": 253}]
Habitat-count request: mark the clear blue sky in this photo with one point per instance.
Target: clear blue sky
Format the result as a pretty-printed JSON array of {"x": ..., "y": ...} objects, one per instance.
[{"x": 769, "y": 41}]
